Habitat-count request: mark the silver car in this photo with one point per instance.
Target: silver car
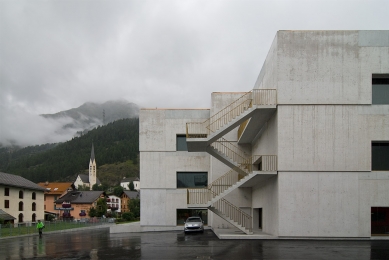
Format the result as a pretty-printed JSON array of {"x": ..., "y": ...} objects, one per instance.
[{"x": 193, "y": 224}]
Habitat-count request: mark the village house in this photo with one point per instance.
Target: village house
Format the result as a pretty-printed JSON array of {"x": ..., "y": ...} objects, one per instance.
[
  {"x": 21, "y": 198},
  {"x": 76, "y": 204},
  {"x": 54, "y": 191},
  {"x": 126, "y": 197}
]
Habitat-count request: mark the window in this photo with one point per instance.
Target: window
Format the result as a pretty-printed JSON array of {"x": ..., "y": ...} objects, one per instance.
[
  {"x": 380, "y": 89},
  {"x": 192, "y": 179},
  {"x": 6, "y": 204},
  {"x": 6, "y": 191},
  {"x": 33, "y": 196},
  {"x": 181, "y": 143},
  {"x": 33, "y": 206},
  {"x": 20, "y": 218},
  {"x": 20, "y": 194},
  {"x": 33, "y": 217},
  {"x": 21, "y": 206},
  {"x": 380, "y": 156}
]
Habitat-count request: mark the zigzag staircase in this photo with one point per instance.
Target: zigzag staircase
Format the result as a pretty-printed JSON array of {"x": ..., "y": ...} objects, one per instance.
[{"x": 207, "y": 136}]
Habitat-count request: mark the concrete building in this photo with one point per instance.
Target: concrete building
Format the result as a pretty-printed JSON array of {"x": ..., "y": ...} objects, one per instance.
[
  {"x": 305, "y": 153},
  {"x": 21, "y": 198}
]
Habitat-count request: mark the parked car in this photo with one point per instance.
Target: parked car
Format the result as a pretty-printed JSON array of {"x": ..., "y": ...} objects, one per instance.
[{"x": 194, "y": 224}]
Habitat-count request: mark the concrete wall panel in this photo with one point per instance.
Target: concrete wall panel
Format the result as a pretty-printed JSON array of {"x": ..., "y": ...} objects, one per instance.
[
  {"x": 322, "y": 138},
  {"x": 316, "y": 204}
]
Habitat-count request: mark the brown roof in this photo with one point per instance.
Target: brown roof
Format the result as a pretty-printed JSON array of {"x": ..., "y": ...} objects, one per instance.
[{"x": 56, "y": 188}]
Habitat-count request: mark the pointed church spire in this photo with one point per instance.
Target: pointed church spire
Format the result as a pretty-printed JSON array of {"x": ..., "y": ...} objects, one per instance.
[{"x": 92, "y": 155}]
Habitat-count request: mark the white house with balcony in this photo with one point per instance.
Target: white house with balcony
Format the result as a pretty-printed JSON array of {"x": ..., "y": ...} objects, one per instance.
[{"x": 304, "y": 154}]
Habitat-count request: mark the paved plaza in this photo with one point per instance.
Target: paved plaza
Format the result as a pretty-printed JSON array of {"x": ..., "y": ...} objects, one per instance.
[{"x": 100, "y": 244}]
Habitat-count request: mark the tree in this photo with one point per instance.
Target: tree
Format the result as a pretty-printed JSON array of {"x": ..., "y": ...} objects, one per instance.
[
  {"x": 83, "y": 188},
  {"x": 134, "y": 207},
  {"x": 131, "y": 186},
  {"x": 97, "y": 187},
  {"x": 118, "y": 190},
  {"x": 101, "y": 207},
  {"x": 92, "y": 212}
]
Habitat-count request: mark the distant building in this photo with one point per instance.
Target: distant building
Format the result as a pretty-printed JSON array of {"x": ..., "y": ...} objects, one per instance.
[
  {"x": 114, "y": 203},
  {"x": 126, "y": 182},
  {"x": 54, "y": 191},
  {"x": 84, "y": 180},
  {"x": 21, "y": 198},
  {"x": 126, "y": 197},
  {"x": 76, "y": 204}
]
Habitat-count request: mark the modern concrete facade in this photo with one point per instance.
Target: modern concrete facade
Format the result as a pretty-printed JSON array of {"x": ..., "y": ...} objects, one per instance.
[{"x": 294, "y": 157}]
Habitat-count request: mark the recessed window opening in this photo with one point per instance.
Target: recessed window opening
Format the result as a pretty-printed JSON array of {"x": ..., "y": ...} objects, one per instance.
[
  {"x": 380, "y": 89},
  {"x": 380, "y": 155},
  {"x": 192, "y": 179},
  {"x": 181, "y": 143}
]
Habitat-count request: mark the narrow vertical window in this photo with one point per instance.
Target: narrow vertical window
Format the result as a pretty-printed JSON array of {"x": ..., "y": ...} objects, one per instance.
[
  {"x": 33, "y": 206},
  {"x": 181, "y": 143},
  {"x": 20, "y": 194},
  {"x": 380, "y": 156},
  {"x": 6, "y": 191},
  {"x": 380, "y": 89},
  {"x": 21, "y": 206},
  {"x": 34, "y": 196},
  {"x": 6, "y": 204}
]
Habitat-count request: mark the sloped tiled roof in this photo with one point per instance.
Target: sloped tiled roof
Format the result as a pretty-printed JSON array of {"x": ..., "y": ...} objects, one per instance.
[
  {"x": 5, "y": 216},
  {"x": 18, "y": 181},
  {"x": 80, "y": 197},
  {"x": 129, "y": 179},
  {"x": 132, "y": 194},
  {"x": 56, "y": 188}
]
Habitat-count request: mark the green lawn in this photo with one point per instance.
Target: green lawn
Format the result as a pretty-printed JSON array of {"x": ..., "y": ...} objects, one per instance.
[{"x": 49, "y": 227}]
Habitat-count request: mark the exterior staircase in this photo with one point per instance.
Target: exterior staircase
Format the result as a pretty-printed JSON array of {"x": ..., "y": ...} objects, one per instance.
[{"x": 208, "y": 136}]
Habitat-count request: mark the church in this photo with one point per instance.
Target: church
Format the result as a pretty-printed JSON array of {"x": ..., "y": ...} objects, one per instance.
[{"x": 91, "y": 179}]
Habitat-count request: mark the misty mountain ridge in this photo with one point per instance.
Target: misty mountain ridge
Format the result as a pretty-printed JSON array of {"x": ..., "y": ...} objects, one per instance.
[{"x": 90, "y": 115}]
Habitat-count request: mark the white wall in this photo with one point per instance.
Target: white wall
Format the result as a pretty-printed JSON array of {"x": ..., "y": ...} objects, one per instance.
[
  {"x": 27, "y": 200},
  {"x": 160, "y": 162}
]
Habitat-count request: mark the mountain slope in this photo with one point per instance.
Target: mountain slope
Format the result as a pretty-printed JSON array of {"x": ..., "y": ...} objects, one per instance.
[
  {"x": 114, "y": 143},
  {"x": 90, "y": 114}
]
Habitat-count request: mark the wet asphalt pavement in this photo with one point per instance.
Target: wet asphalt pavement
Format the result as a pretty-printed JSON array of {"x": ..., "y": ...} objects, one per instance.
[{"x": 100, "y": 244}]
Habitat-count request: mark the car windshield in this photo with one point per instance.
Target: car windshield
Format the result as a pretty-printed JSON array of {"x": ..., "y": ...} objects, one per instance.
[{"x": 194, "y": 220}]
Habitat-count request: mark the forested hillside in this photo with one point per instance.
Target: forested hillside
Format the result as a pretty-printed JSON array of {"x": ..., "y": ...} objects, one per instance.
[{"x": 116, "y": 143}]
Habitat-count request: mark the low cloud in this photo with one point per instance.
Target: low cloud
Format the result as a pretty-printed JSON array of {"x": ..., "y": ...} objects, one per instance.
[{"x": 22, "y": 128}]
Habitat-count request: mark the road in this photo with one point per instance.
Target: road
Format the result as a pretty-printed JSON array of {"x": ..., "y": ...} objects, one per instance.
[{"x": 100, "y": 244}]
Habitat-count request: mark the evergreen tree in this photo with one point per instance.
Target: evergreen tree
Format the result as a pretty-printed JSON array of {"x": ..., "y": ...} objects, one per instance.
[{"x": 131, "y": 186}]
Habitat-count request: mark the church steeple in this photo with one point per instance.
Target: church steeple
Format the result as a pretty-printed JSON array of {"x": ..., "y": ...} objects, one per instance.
[
  {"x": 92, "y": 154},
  {"x": 92, "y": 168}
]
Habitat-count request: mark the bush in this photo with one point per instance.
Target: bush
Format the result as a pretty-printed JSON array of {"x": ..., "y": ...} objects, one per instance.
[{"x": 128, "y": 216}]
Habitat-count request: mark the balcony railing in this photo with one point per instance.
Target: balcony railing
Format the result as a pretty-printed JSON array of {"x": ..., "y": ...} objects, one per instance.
[{"x": 235, "y": 109}]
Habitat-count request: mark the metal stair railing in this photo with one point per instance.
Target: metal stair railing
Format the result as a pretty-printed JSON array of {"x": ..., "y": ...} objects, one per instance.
[
  {"x": 230, "y": 150},
  {"x": 218, "y": 186},
  {"x": 234, "y": 213},
  {"x": 230, "y": 112}
]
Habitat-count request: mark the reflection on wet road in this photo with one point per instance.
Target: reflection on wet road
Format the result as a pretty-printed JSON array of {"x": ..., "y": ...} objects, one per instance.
[{"x": 100, "y": 244}]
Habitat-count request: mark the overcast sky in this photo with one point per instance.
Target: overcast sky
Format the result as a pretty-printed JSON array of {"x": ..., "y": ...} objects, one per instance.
[{"x": 57, "y": 55}]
